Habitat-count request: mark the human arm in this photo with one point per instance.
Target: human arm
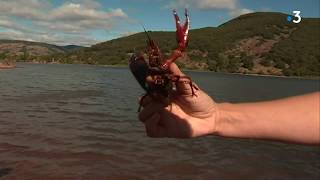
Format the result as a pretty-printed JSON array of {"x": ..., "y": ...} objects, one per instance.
[{"x": 294, "y": 119}]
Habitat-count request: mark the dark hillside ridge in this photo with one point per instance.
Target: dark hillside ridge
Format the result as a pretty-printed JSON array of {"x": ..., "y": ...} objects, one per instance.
[{"x": 256, "y": 43}]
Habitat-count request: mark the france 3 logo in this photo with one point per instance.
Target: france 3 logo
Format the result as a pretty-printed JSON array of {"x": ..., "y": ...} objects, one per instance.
[{"x": 296, "y": 17}]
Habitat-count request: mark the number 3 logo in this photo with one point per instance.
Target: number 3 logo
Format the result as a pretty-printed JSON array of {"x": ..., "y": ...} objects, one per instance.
[{"x": 297, "y": 15}]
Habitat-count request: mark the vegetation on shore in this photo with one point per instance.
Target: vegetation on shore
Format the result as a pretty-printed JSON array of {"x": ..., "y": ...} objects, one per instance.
[
  {"x": 256, "y": 43},
  {"x": 26, "y": 51}
]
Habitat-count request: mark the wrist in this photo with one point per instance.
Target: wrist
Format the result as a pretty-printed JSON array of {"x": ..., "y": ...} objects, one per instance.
[{"x": 223, "y": 119}]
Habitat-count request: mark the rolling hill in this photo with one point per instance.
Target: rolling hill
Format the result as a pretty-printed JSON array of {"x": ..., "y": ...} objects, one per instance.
[
  {"x": 259, "y": 43},
  {"x": 256, "y": 43},
  {"x": 25, "y": 50}
]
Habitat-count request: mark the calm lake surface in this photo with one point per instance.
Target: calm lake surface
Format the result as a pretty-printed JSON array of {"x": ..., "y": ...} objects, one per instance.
[{"x": 80, "y": 122}]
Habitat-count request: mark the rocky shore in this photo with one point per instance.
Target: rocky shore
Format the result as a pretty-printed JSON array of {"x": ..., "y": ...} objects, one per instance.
[{"x": 5, "y": 65}]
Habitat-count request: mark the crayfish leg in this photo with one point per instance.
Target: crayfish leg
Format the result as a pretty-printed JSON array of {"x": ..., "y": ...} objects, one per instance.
[{"x": 192, "y": 86}]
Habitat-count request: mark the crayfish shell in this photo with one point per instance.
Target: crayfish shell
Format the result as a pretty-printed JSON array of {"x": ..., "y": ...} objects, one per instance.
[{"x": 139, "y": 68}]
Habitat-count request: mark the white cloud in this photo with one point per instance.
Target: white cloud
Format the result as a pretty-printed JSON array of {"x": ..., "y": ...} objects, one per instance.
[
  {"x": 49, "y": 38},
  {"x": 75, "y": 21},
  {"x": 77, "y": 12},
  {"x": 9, "y": 24},
  {"x": 232, "y": 6},
  {"x": 216, "y": 4},
  {"x": 74, "y": 18},
  {"x": 127, "y": 33},
  {"x": 204, "y": 4},
  {"x": 15, "y": 35},
  {"x": 87, "y": 3},
  {"x": 27, "y": 9},
  {"x": 41, "y": 21},
  {"x": 238, "y": 12}
]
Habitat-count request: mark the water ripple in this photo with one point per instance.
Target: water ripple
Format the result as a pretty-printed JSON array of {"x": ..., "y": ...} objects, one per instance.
[{"x": 80, "y": 122}]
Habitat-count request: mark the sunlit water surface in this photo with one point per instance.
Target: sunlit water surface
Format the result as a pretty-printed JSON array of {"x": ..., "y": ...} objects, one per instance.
[{"x": 80, "y": 121}]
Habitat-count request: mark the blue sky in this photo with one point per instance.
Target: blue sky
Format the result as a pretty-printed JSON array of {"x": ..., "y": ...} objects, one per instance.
[{"x": 86, "y": 22}]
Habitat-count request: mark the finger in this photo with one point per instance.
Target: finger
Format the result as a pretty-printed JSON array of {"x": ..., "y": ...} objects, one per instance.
[
  {"x": 153, "y": 128},
  {"x": 154, "y": 97},
  {"x": 185, "y": 86},
  {"x": 175, "y": 70},
  {"x": 149, "y": 110}
]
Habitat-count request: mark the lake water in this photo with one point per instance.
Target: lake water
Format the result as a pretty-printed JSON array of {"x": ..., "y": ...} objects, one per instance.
[{"x": 80, "y": 122}]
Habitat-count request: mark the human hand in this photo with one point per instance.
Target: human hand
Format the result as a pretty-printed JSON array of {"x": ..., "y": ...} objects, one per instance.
[{"x": 186, "y": 115}]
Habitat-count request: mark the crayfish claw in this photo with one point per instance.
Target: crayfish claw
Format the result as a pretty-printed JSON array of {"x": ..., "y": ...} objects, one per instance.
[
  {"x": 187, "y": 22},
  {"x": 174, "y": 11},
  {"x": 154, "y": 74},
  {"x": 182, "y": 30},
  {"x": 177, "y": 19}
]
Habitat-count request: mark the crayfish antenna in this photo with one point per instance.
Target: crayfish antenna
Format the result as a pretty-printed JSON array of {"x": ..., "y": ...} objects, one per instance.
[
  {"x": 150, "y": 41},
  {"x": 149, "y": 38}
]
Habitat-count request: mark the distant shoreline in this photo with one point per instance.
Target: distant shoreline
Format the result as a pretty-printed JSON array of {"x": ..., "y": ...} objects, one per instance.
[
  {"x": 194, "y": 70},
  {"x": 258, "y": 75},
  {"x": 7, "y": 66}
]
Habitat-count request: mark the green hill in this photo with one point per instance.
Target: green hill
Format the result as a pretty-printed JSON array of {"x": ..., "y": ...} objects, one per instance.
[
  {"x": 16, "y": 50},
  {"x": 258, "y": 43}
]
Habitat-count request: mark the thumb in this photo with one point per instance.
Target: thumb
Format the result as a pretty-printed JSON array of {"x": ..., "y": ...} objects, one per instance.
[
  {"x": 153, "y": 127},
  {"x": 175, "y": 69},
  {"x": 184, "y": 85}
]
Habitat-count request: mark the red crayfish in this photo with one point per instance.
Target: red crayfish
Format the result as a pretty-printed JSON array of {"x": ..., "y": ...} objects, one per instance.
[{"x": 154, "y": 75}]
